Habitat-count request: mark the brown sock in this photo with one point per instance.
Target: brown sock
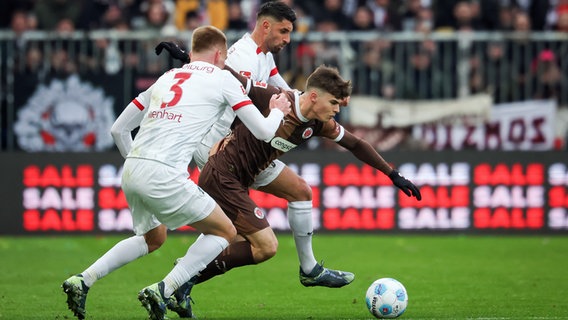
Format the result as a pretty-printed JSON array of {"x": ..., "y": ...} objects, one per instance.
[{"x": 237, "y": 254}]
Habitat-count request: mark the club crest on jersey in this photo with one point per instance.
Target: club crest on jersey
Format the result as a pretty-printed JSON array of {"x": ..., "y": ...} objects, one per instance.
[
  {"x": 307, "y": 133},
  {"x": 247, "y": 74},
  {"x": 260, "y": 84},
  {"x": 259, "y": 213}
]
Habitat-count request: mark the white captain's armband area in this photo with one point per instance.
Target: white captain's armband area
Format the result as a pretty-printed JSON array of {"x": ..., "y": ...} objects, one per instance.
[{"x": 341, "y": 134}]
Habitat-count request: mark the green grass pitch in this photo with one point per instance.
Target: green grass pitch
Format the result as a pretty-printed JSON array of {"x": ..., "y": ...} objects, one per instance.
[{"x": 447, "y": 277}]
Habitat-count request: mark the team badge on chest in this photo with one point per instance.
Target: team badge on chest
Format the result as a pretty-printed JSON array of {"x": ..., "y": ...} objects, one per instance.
[{"x": 307, "y": 133}]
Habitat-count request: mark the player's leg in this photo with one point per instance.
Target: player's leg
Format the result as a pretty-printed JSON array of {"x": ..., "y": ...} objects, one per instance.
[
  {"x": 150, "y": 235},
  {"x": 281, "y": 181},
  {"x": 218, "y": 232}
]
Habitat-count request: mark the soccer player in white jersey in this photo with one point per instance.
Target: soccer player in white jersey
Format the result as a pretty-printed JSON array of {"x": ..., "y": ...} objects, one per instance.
[{"x": 174, "y": 114}]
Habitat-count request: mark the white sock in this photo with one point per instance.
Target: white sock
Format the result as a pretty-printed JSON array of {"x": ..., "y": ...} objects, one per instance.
[
  {"x": 199, "y": 254},
  {"x": 300, "y": 220},
  {"x": 122, "y": 253}
]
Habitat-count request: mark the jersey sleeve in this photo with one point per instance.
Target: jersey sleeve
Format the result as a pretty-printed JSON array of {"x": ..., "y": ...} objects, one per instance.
[
  {"x": 128, "y": 120},
  {"x": 234, "y": 92},
  {"x": 332, "y": 130},
  {"x": 276, "y": 79}
]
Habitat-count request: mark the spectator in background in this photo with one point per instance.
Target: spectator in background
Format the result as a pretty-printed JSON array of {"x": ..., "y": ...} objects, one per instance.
[
  {"x": 182, "y": 10},
  {"x": 192, "y": 20},
  {"x": 386, "y": 14},
  {"x": 50, "y": 12},
  {"x": 362, "y": 19},
  {"x": 330, "y": 17},
  {"x": 561, "y": 23},
  {"x": 218, "y": 13},
  {"x": 236, "y": 18},
  {"x": 536, "y": 10},
  {"x": 464, "y": 17},
  {"x": 497, "y": 72},
  {"x": 547, "y": 76},
  {"x": 520, "y": 53}
]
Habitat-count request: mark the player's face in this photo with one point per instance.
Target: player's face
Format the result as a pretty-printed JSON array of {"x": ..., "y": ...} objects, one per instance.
[
  {"x": 278, "y": 35},
  {"x": 325, "y": 106}
]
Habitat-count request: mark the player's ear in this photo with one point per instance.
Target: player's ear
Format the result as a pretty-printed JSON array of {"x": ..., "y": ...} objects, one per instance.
[{"x": 313, "y": 95}]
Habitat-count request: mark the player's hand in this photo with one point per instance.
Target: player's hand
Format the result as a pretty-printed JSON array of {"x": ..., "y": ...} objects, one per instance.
[
  {"x": 405, "y": 185},
  {"x": 280, "y": 101},
  {"x": 174, "y": 50}
]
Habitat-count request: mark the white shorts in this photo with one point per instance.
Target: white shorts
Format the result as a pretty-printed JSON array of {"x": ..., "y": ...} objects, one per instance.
[
  {"x": 266, "y": 176},
  {"x": 160, "y": 194}
]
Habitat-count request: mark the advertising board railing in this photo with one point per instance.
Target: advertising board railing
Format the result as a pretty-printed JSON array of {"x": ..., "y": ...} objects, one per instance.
[{"x": 463, "y": 192}]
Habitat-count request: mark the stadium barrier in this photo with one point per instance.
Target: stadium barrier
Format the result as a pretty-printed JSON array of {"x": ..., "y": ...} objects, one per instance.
[
  {"x": 101, "y": 71},
  {"x": 463, "y": 192}
]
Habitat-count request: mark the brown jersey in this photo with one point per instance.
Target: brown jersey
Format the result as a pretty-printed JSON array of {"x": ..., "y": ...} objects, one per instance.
[{"x": 242, "y": 154}]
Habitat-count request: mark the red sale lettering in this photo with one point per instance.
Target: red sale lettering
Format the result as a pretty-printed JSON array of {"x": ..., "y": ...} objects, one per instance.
[
  {"x": 334, "y": 175},
  {"x": 437, "y": 197},
  {"x": 503, "y": 218},
  {"x": 112, "y": 198},
  {"x": 52, "y": 176},
  {"x": 509, "y": 175},
  {"x": 52, "y": 220},
  {"x": 557, "y": 197},
  {"x": 266, "y": 200}
]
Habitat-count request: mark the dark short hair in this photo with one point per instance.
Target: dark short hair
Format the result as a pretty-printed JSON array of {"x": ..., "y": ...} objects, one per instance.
[
  {"x": 277, "y": 10},
  {"x": 207, "y": 37},
  {"x": 329, "y": 80}
]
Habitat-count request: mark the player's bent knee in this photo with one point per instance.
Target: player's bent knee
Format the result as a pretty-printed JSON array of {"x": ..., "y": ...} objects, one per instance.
[
  {"x": 302, "y": 191},
  {"x": 268, "y": 249}
]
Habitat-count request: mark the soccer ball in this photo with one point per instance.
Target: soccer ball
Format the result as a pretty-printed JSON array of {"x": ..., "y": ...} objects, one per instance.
[{"x": 386, "y": 298}]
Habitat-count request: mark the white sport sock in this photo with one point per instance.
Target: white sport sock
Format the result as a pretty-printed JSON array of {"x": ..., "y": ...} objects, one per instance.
[
  {"x": 120, "y": 254},
  {"x": 199, "y": 254},
  {"x": 300, "y": 220}
]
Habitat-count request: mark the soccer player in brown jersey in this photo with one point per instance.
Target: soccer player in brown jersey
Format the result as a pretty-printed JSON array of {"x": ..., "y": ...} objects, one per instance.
[{"x": 239, "y": 157}]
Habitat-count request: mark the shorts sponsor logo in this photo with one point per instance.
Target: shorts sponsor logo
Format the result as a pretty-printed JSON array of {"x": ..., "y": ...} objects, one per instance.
[
  {"x": 308, "y": 133},
  {"x": 282, "y": 144},
  {"x": 259, "y": 213}
]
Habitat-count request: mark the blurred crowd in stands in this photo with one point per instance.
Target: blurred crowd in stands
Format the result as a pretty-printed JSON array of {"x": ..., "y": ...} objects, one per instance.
[
  {"x": 387, "y": 65},
  {"x": 313, "y": 15}
]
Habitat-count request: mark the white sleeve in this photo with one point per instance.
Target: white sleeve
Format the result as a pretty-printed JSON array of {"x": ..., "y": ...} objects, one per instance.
[
  {"x": 262, "y": 128},
  {"x": 277, "y": 81},
  {"x": 128, "y": 120}
]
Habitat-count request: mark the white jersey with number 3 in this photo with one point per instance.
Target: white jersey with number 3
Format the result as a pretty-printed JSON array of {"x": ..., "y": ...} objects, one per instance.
[{"x": 180, "y": 109}]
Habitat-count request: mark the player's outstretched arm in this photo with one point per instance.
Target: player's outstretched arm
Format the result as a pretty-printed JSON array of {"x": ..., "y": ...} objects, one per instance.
[
  {"x": 174, "y": 50},
  {"x": 366, "y": 153}
]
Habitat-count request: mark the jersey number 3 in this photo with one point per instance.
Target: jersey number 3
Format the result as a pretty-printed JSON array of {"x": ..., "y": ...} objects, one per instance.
[{"x": 176, "y": 89}]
